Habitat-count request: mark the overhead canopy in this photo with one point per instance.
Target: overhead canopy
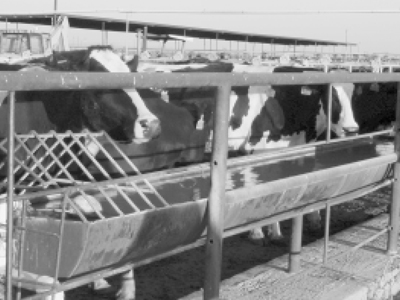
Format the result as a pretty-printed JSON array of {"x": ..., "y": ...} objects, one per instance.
[{"x": 119, "y": 24}]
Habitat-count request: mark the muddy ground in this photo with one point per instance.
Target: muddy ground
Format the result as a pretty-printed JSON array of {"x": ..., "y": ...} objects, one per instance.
[{"x": 182, "y": 274}]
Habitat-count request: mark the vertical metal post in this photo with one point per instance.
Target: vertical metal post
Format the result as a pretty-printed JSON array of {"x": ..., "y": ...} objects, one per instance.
[
  {"x": 103, "y": 34},
  {"x": 10, "y": 195},
  {"x": 138, "y": 41},
  {"x": 54, "y": 19},
  {"x": 216, "y": 42},
  {"x": 329, "y": 113},
  {"x": 216, "y": 201},
  {"x": 126, "y": 38},
  {"x": 295, "y": 244},
  {"x": 144, "y": 43},
  {"x": 326, "y": 235},
  {"x": 395, "y": 204}
]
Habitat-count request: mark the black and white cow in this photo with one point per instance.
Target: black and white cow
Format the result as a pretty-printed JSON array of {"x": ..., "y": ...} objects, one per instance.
[
  {"x": 121, "y": 113},
  {"x": 374, "y": 105},
  {"x": 266, "y": 118}
]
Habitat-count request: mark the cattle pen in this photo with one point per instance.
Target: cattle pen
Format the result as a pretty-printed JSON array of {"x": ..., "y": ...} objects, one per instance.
[{"x": 110, "y": 244}]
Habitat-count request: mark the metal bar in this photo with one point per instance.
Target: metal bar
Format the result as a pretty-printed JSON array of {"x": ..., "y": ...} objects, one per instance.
[
  {"x": 110, "y": 201},
  {"x": 144, "y": 39},
  {"x": 394, "y": 218},
  {"x": 216, "y": 202},
  {"x": 90, "y": 80},
  {"x": 329, "y": 113},
  {"x": 126, "y": 33},
  {"x": 60, "y": 241},
  {"x": 10, "y": 196},
  {"x": 21, "y": 248},
  {"x": 327, "y": 230},
  {"x": 138, "y": 41},
  {"x": 371, "y": 238},
  {"x": 295, "y": 244}
]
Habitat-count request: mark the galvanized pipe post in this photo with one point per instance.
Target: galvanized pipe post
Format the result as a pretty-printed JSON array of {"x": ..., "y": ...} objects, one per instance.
[
  {"x": 326, "y": 233},
  {"x": 216, "y": 200},
  {"x": 10, "y": 196},
  {"x": 295, "y": 244},
  {"x": 329, "y": 113},
  {"x": 395, "y": 205},
  {"x": 126, "y": 38}
]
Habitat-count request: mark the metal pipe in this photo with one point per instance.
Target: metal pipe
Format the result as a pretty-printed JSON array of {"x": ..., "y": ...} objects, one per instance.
[
  {"x": 144, "y": 39},
  {"x": 10, "y": 195},
  {"x": 86, "y": 80},
  {"x": 216, "y": 202},
  {"x": 327, "y": 230},
  {"x": 395, "y": 203},
  {"x": 126, "y": 33},
  {"x": 295, "y": 244},
  {"x": 329, "y": 113}
]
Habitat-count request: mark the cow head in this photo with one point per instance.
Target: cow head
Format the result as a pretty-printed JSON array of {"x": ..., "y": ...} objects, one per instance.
[
  {"x": 121, "y": 113},
  {"x": 306, "y": 107}
]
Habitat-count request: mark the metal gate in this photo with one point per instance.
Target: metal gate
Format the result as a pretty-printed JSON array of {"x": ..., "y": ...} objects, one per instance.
[{"x": 112, "y": 221}]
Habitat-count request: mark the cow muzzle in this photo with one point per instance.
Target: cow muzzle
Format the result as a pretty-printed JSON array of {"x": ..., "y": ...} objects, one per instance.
[
  {"x": 147, "y": 130},
  {"x": 350, "y": 131}
]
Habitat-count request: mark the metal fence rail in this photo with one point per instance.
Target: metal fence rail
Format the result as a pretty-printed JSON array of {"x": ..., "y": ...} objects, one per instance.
[{"x": 33, "y": 169}]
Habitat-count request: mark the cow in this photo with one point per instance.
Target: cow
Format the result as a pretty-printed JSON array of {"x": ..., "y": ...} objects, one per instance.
[
  {"x": 121, "y": 113},
  {"x": 374, "y": 105},
  {"x": 267, "y": 118},
  {"x": 305, "y": 113},
  {"x": 127, "y": 119}
]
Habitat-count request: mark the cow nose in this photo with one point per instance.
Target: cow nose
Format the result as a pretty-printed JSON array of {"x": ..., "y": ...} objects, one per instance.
[
  {"x": 152, "y": 129},
  {"x": 350, "y": 131}
]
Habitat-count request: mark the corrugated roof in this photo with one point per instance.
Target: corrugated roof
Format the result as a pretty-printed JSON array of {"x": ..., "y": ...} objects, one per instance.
[{"x": 119, "y": 24}]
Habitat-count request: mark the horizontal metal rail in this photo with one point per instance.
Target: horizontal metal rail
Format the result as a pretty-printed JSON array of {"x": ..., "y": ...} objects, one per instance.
[{"x": 29, "y": 81}]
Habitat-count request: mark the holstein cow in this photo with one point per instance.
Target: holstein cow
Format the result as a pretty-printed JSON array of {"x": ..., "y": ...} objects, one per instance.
[
  {"x": 374, "y": 105},
  {"x": 305, "y": 111},
  {"x": 258, "y": 120},
  {"x": 121, "y": 113}
]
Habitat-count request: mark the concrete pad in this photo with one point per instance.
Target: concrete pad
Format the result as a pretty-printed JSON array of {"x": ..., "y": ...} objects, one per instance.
[{"x": 367, "y": 273}]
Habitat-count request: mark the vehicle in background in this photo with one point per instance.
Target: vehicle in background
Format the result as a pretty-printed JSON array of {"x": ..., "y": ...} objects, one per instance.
[{"x": 17, "y": 46}]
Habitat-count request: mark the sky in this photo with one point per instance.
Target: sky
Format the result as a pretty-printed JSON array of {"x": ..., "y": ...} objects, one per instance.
[{"x": 373, "y": 32}]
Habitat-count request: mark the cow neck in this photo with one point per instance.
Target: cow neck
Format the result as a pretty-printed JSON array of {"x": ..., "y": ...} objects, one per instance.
[{"x": 112, "y": 63}]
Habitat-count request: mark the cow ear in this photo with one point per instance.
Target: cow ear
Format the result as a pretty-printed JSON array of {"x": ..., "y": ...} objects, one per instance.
[{"x": 133, "y": 63}]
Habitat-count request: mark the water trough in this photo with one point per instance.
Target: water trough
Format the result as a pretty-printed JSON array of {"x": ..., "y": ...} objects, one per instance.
[{"x": 263, "y": 186}]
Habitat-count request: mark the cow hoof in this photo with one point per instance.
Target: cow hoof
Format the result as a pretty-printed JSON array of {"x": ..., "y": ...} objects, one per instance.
[
  {"x": 125, "y": 294},
  {"x": 257, "y": 237},
  {"x": 102, "y": 287},
  {"x": 279, "y": 240},
  {"x": 314, "y": 230}
]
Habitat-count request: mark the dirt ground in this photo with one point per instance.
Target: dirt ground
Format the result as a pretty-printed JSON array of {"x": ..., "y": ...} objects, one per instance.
[{"x": 182, "y": 274}]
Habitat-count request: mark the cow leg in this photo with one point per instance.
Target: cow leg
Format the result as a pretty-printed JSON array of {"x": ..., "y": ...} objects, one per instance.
[
  {"x": 313, "y": 222},
  {"x": 257, "y": 236},
  {"x": 101, "y": 286},
  {"x": 274, "y": 233},
  {"x": 127, "y": 289}
]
